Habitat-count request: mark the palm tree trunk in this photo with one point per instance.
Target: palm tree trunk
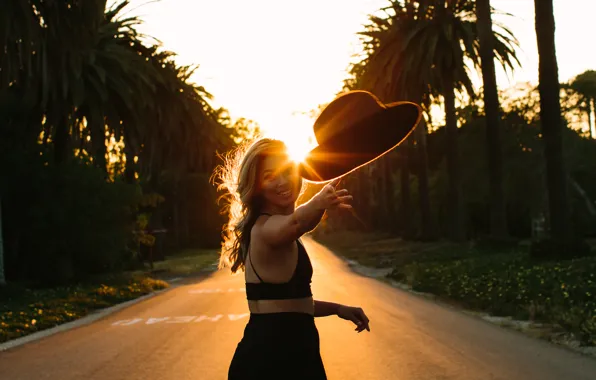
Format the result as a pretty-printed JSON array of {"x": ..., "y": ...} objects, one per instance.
[
  {"x": 428, "y": 231},
  {"x": 2, "y": 277},
  {"x": 378, "y": 195},
  {"x": 590, "y": 113},
  {"x": 456, "y": 217},
  {"x": 498, "y": 217},
  {"x": 356, "y": 190},
  {"x": 130, "y": 166},
  {"x": 364, "y": 180},
  {"x": 61, "y": 139},
  {"x": 388, "y": 195},
  {"x": 550, "y": 119},
  {"x": 96, "y": 125},
  {"x": 406, "y": 226}
]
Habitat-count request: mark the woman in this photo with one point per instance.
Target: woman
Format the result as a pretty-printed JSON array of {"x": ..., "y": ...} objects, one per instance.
[{"x": 280, "y": 340}]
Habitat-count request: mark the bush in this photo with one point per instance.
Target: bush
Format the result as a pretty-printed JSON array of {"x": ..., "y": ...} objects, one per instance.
[
  {"x": 514, "y": 285},
  {"x": 25, "y": 311},
  {"x": 64, "y": 222},
  {"x": 553, "y": 249}
]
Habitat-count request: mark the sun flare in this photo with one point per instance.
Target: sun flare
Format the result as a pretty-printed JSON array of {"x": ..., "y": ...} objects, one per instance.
[
  {"x": 298, "y": 136},
  {"x": 297, "y": 152}
]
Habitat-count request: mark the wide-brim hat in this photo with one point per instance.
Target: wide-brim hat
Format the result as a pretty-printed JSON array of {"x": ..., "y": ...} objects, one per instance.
[{"x": 354, "y": 130}]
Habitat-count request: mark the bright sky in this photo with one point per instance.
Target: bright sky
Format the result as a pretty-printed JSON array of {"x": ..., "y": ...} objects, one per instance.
[{"x": 269, "y": 60}]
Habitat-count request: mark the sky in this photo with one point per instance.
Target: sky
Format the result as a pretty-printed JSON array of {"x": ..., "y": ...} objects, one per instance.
[{"x": 272, "y": 61}]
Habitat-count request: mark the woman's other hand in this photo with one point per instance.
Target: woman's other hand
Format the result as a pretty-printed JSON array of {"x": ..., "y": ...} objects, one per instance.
[{"x": 356, "y": 315}]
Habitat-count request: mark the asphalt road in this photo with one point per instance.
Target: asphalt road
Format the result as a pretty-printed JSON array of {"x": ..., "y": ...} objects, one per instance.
[{"x": 191, "y": 331}]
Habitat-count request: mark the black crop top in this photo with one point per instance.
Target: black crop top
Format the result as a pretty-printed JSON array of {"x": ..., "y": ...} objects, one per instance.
[{"x": 297, "y": 287}]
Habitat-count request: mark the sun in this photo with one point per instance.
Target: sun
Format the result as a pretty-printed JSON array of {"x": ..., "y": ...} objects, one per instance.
[
  {"x": 297, "y": 150},
  {"x": 296, "y": 132}
]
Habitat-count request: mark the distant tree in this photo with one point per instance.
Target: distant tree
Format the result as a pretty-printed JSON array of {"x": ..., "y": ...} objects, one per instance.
[
  {"x": 551, "y": 121},
  {"x": 585, "y": 86}
]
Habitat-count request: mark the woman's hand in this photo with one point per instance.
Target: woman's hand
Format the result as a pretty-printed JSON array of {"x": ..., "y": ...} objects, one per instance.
[
  {"x": 329, "y": 198},
  {"x": 356, "y": 315}
]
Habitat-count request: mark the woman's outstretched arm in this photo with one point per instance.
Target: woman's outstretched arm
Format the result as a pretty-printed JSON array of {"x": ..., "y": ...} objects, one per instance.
[{"x": 280, "y": 230}]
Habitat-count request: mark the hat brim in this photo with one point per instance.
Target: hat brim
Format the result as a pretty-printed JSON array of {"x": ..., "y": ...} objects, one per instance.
[{"x": 361, "y": 144}]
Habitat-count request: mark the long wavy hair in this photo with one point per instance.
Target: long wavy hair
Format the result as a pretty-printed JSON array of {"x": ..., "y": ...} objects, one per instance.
[{"x": 239, "y": 177}]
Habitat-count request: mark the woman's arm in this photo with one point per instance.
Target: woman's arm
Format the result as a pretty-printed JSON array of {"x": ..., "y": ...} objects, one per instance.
[
  {"x": 354, "y": 314},
  {"x": 280, "y": 230},
  {"x": 324, "y": 309}
]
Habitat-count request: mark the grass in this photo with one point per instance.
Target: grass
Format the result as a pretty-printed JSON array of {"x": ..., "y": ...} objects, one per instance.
[
  {"x": 186, "y": 262},
  {"x": 381, "y": 250},
  {"x": 24, "y": 311},
  {"x": 501, "y": 282},
  {"x": 511, "y": 284}
]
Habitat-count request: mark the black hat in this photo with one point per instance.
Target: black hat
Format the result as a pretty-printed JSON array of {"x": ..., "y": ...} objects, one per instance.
[{"x": 355, "y": 129}]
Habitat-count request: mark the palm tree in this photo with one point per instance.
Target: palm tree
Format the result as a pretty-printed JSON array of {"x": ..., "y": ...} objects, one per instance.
[
  {"x": 2, "y": 277},
  {"x": 419, "y": 49},
  {"x": 40, "y": 46},
  {"x": 73, "y": 74},
  {"x": 585, "y": 86},
  {"x": 363, "y": 76},
  {"x": 428, "y": 231},
  {"x": 551, "y": 122},
  {"x": 498, "y": 216}
]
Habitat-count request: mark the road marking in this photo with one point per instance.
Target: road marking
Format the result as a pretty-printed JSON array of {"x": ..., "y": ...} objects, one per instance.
[
  {"x": 175, "y": 279},
  {"x": 182, "y": 319},
  {"x": 127, "y": 322},
  {"x": 152, "y": 321},
  {"x": 212, "y": 319},
  {"x": 235, "y": 317}
]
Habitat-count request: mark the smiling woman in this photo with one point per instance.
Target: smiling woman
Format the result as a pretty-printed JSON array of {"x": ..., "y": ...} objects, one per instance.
[{"x": 263, "y": 239}]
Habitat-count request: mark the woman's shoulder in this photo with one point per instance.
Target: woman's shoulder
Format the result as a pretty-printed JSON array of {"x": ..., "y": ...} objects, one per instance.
[
  {"x": 256, "y": 228},
  {"x": 258, "y": 239}
]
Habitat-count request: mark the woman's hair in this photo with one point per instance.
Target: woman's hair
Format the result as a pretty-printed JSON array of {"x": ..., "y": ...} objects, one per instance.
[{"x": 239, "y": 176}]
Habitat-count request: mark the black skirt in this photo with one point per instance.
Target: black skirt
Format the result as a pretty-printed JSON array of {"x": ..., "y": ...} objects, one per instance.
[{"x": 278, "y": 346}]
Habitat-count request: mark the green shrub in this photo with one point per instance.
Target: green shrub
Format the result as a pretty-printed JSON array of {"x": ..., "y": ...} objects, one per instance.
[
  {"x": 514, "y": 285},
  {"x": 24, "y": 311},
  {"x": 553, "y": 249}
]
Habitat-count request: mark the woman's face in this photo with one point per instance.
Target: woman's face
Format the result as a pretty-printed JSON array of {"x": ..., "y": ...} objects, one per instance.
[{"x": 279, "y": 182}]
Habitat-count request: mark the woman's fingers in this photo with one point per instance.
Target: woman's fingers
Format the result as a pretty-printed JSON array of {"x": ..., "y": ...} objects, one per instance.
[
  {"x": 356, "y": 321},
  {"x": 360, "y": 319},
  {"x": 361, "y": 325},
  {"x": 338, "y": 198},
  {"x": 334, "y": 183},
  {"x": 344, "y": 199},
  {"x": 364, "y": 319}
]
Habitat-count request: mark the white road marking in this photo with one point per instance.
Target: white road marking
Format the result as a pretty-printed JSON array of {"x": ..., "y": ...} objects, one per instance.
[
  {"x": 151, "y": 321},
  {"x": 235, "y": 317},
  {"x": 212, "y": 319},
  {"x": 127, "y": 322},
  {"x": 182, "y": 319}
]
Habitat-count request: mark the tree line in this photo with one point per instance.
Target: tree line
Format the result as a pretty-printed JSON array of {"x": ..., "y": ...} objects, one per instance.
[
  {"x": 500, "y": 164},
  {"x": 105, "y": 143}
]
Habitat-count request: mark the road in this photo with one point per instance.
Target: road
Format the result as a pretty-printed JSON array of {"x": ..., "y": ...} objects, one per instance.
[{"x": 191, "y": 331}]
